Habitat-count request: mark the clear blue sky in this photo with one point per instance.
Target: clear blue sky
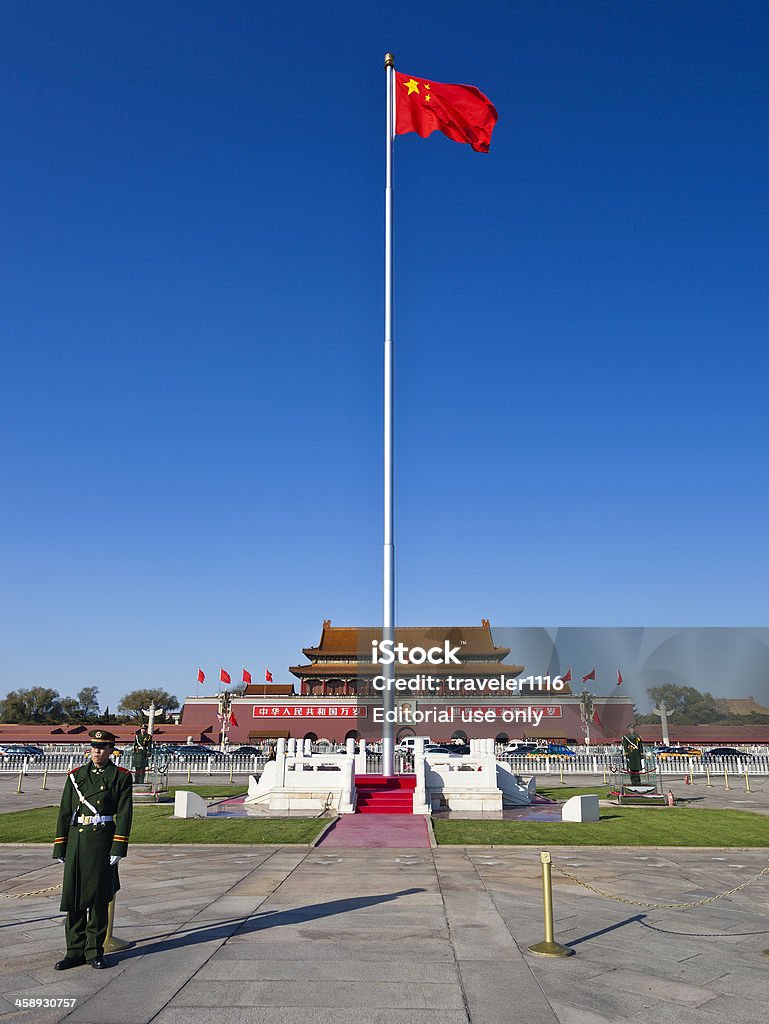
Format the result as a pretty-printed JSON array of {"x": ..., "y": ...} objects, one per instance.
[{"x": 192, "y": 323}]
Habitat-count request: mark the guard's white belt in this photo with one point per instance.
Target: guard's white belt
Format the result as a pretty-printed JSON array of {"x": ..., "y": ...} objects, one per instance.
[{"x": 93, "y": 819}]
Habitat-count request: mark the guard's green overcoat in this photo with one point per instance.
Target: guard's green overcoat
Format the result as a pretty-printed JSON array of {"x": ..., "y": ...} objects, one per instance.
[
  {"x": 88, "y": 878},
  {"x": 633, "y": 749},
  {"x": 142, "y": 750}
]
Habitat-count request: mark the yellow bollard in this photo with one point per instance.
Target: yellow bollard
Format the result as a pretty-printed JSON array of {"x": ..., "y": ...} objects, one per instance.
[
  {"x": 604, "y": 775},
  {"x": 726, "y": 779},
  {"x": 747, "y": 783},
  {"x": 560, "y": 770},
  {"x": 45, "y": 778},
  {"x": 549, "y": 947},
  {"x": 189, "y": 771},
  {"x": 21, "y": 776},
  {"x": 707, "y": 772},
  {"x": 111, "y": 943},
  {"x": 230, "y": 773}
]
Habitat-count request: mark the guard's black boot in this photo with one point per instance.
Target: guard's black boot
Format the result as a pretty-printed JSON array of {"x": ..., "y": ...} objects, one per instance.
[
  {"x": 99, "y": 963},
  {"x": 69, "y": 961}
]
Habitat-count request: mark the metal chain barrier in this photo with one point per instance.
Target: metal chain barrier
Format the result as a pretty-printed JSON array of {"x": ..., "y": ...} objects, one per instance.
[
  {"x": 660, "y": 906},
  {"x": 35, "y": 892}
]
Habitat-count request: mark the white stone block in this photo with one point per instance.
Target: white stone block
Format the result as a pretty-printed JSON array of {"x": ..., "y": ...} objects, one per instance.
[
  {"x": 581, "y": 808},
  {"x": 189, "y": 805}
]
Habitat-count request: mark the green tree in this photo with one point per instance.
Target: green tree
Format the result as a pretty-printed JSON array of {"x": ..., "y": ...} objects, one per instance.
[
  {"x": 70, "y": 707},
  {"x": 88, "y": 698},
  {"x": 83, "y": 709},
  {"x": 31, "y": 706},
  {"x": 692, "y": 706},
  {"x": 132, "y": 704}
]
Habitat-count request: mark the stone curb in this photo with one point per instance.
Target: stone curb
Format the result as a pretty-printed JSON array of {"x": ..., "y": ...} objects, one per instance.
[{"x": 324, "y": 831}]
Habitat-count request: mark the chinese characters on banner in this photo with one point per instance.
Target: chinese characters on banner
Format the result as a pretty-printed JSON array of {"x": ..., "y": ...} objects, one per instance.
[
  {"x": 292, "y": 711},
  {"x": 352, "y": 711}
]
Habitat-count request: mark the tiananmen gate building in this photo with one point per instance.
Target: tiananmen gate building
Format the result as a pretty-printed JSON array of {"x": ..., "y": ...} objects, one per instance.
[{"x": 337, "y": 696}]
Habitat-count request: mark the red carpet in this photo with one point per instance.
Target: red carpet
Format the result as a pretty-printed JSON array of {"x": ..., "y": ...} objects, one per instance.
[
  {"x": 378, "y": 831},
  {"x": 384, "y": 817}
]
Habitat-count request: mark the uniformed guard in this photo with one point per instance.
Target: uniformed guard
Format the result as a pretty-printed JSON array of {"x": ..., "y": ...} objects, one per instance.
[
  {"x": 142, "y": 752},
  {"x": 91, "y": 837},
  {"x": 633, "y": 749}
]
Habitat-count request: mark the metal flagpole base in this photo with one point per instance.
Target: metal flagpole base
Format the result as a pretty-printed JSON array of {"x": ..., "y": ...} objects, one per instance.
[
  {"x": 551, "y": 949},
  {"x": 112, "y": 944}
]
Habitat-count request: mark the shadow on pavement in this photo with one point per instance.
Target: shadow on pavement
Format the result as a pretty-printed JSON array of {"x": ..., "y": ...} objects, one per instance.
[{"x": 261, "y": 920}]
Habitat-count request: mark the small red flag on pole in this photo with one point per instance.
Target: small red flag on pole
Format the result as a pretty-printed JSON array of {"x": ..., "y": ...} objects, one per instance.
[
  {"x": 224, "y": 677},
  {"x": 233, "y": 719},
  {"x": 246, "y": 676},
  {"x": 597, "y": 720},
  {"x": 201, "y": 676},
  {"x": 590, "y": 675},
  {"x": 267, "y": 675},
  {"x": 619, "y": 677},
  {"x": 567, "y": 677}
]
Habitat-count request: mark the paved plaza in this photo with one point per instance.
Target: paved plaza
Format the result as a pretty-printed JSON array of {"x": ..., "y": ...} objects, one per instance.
[
  {"x": 383, "y": 936},
  {"x": 410, "y": 936}
]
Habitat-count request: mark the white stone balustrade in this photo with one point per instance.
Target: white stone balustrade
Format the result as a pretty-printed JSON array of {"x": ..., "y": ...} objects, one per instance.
[{"x": 298, "y": 780}]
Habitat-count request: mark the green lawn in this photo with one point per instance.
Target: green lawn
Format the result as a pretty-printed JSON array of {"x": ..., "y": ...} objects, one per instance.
[
  {"x": 155, "y": 824},
  {"x": 619, "y": 826},
  {"x": 210, "y": 790}
]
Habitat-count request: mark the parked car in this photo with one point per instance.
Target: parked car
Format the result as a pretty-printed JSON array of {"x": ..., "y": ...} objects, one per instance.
[
  {"x": 244, "y": 751},
  {"x": 555, "y": 750},
  {"x": 520, "y": 749},
  {"x": 439, "y": 748},
  {"x": 195, "y": 752},
  {"x": 721, "y": 753},
  {"x": 21, "y": 750},
  {"x": 663, "y": 753},
  {"x": 406, "y": 745},
  {"x": 459, "y": 748}
]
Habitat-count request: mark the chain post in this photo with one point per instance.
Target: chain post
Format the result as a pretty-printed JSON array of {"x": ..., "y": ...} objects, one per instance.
[
  {"x": 111, "y": 943},
  {"x": 549, "y": 947}
]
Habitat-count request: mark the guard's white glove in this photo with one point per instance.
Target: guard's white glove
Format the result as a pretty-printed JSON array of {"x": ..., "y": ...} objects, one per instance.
[
  {"x": 60, "y": 860},
  {"x": 114, "y": 859}
]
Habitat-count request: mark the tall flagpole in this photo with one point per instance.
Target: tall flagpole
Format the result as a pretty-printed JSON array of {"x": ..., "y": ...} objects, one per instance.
[{"x": 388, "y": 611}]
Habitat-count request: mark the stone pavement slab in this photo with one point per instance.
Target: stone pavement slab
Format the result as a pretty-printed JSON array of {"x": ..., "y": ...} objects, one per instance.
[{"x": 389, "y": 936}]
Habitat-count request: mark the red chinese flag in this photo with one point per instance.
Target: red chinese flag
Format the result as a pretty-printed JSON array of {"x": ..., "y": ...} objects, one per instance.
[
  {"x": 224, "y": 677},
  {"x": 460, "y": 111},
  {"x": 201, "y": 676},
  {"x": 233, "y": 719},
  {"x": 246, "y": 676},
  {"x": 590, "y": 675},
  {"x": 267, "y": 676},
  {"x": 567, "y": 677},
  {"x": 597, "y": 720},
  {"x": 619, "y": 678}
]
